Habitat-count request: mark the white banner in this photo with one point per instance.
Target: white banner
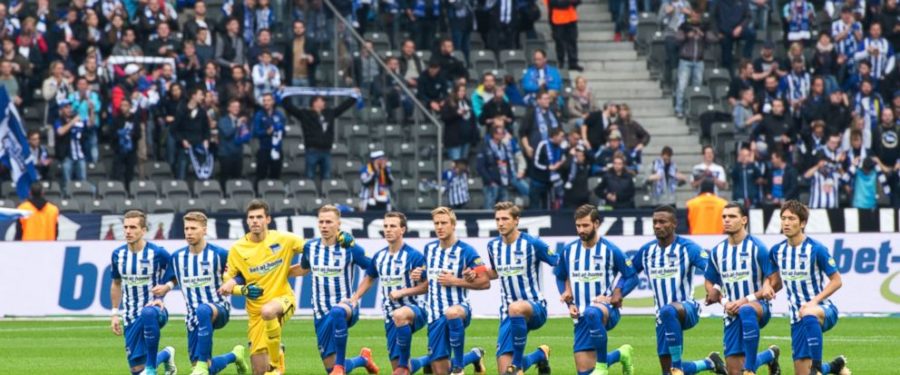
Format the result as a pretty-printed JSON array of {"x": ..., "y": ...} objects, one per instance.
[{"x": 73, "y": 278}]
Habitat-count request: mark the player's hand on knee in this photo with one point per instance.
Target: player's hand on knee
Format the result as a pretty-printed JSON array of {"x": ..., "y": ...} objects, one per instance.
[
  {"x": 714, "y": 297},
  {"x": 160, "y": 290},
  {"x": 252, "y": 291},
  {"x": 566, "y": 297},
  {"x": 768, "y": 293},
  {"x": 602, "y": 299},
  {"x": 732, "y": 307},
  {"x": 157, "y": 302},
  {"x": 395, "y": 295}
]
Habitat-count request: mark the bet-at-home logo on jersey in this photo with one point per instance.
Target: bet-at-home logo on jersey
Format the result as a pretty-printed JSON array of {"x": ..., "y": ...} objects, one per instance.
[{"x": 265, "y": 268}]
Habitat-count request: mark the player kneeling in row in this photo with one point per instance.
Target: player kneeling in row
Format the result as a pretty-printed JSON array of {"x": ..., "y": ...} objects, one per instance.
[{"x": 198, "y": 269}]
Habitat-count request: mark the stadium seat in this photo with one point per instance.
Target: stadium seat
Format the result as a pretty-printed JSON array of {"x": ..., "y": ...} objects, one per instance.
[
  {"x": 271, "y": 189},
  {"x": 592, "y": 184},
  {"x": 100, "y": 207},
  {"x": 284, "y": 206},
  {"x": 293, "y": 170},
  {"x": 7, "y": 203},
  {"x": 160, "y": 206},
  {"x": 483, "y": 60},
  {"x": 698, "y": 99},
  {"x": 124, "y": 205},
  {"x": 70, "y": 206},
  {"x": 309, "y": 206},
  {"x": 426, "y": 201},
  {"x": 424, "y": 54},
  {"x": 157, "y": 171},
  {"x": 357, "y": 136},
  {"x": 52, "y": 191},
  {"x": 513, "y": 60},
  {"x": 97, "y": 171},
  {"x": 647, "y": 26},
  {"x": 209, "y": 189},
  {"x": 225, "y": 206},
  {"x": 718, "y": 81},
  {"x": 143, "y": 189},
  {"x": 339, "y": 154},
  {"x": 303, "y": 190},
  {"x": 426, "y": 134},
  {"x": 297, "y": 151},
  {"x": 379, "y": 41},
  {"x": 393, "y": 133},
  {"x": 175, "y": 189},
  {"x": 336, "y": 189},
  {"x": 657, "y": 58},
  {"x": 476, "y": 184},
  {"x": 458, "y": 54},
  {"x": 81, "y": 190},
  {"x": 349, "y": 171},
  {"x": 111, "y": 189},
  {"x": 374, "y": 116},
  {"x": 238, "y": 189},
  {"x": 292, "y": 132},
  {"x": 406, "y": 202},
  {"x": 185, "y": 205},
  {"x": 426, "y": 170}
]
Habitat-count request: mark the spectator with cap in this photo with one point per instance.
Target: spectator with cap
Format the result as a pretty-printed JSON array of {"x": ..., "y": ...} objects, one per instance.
[
  {"x": 665, "y": 178},
  {"x": 692, "y": 38},
  {"x": 540, "y": 77},
  {"x": 616, "y": 188},
  {"x": 709, "y": 170},
  {"x": 376, "y": 181},
  {"x": 704, "y": 209},
  {"x": 735, "y": 22},
  {"x": 603, "y": 157},
  {"x": 71, "y": 145},
  {"x": 317, "y": 123},
  {"x": 42, "y": 224},
  {"x": 497, "y": 167},
  {"x": 563, "y": 19}
]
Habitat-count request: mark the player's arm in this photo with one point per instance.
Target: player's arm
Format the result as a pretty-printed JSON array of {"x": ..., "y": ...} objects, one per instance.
[
  {"x": 712, "y": 282},
  {"x": 561, "y": 271},
  {"x": 544, "y": 253},
  {"x": 170, "y": 281},
  {"x": 359, "y": 256},
  {"x": 361, "y": 289},
  {"x": 628, "y": 279},
  {"x": 772, "y": 283},
  {"x": 115, "y": 296},
  {"x": 231, "y": 271},
  {"x": 302, "y": 269},
  {"x": 474, "y": 265},
  {"x": 492, "y": 272},
  {"x": 419, "y": 289},
  {"x": 826, "y": 263}
]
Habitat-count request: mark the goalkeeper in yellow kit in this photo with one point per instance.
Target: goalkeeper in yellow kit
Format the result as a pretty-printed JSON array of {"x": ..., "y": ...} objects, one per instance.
[{"x": 263, "y": 259}]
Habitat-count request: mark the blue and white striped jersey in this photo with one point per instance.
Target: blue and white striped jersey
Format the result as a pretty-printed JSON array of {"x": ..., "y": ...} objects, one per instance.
[
  {"x": 591, "y": 271},
  {"x": 199, "y": 276},
  {"x": 459, "y": 257},
  {"x": 670, "y": 270},
  {"x": 140, "y": 272},
  {"x": 803, "y": 269},
  {"x": 883, "y": 61},
  {"x": 519, "y": 267},
  {"x": 333, "y": 275},
  {"x": 846, "y": 47},
  {"x": 739, "y": 269},
  {"x": 824, "y": 188},
  {"x": 392, "y": 272}
]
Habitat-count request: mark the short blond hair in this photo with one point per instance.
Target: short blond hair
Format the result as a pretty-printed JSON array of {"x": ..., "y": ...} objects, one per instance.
[
  {"x": 444, "y": 211},
  {"x": 514, "y": 210},
  {"x": 196, "y": 216},
  {"x": 329, "y": 208},
  {"x": 137, "y": 214}
]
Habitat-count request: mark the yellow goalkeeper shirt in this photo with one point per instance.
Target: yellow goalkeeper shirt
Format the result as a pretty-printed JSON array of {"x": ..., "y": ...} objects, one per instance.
[{"x": 266, "y": 264}]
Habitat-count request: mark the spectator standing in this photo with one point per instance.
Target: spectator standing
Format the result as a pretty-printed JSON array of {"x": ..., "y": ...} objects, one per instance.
[
  {"x": 800, "y": 15},
  {"x": 826, "y": 62},
  {"x": 266, "y": 77},
  {"x": 240, "y": 88},
  {"x": 163, "y": 135},
  {"x": 665, "y": 178},
  {"x": 497, "y": 167},
  {"x": 633, "y": 134},
  {"x": 198, "y": 21},
  {"x": 459, "y": 124},
  {"x": 743, "y": 114},
  {"x": 597, "y": 124},
  {"x": 576, "y": 189},
  {"x": 776, "y": 129},
  {"x": 537, "y": 125},
  {"x": 862, "y": 183},
  {"x": 451, "y": 67},
  {"x": 709, "y": 170},
  {"x": 704, "y": 209},
  {"x": 128, "y": 135},
  {"x": 432, "y": 86},
  {"x": 887, "y": 116},
  {"x": 617, "y": 186},
  {"x": 317, "y": 123},
  {"x": 837, "y": 114},
  {"x": 127, "y": 44},
  {"x": 483, "y": 93},
  {"x": 878, "y": 51},
  {"x": 691, "y": 39},
  {"x": 301, "y": 57},
  {"x": 782, "y": 180},
  {"x": 71, "y": 146},
  {"x": 603, "y": 157},
  {"x": 376, "y": 181},
  {"x": 496, "y": 111},
  {"x": 563, "y": 19},
  {"x": 540, "y": 77},
  {"x": 868, "y": 104},
  {"x": 41, "y": 155},
  {"x": 43, "y": 223},
  {"x": 268, "y": 128},
  {"x": 86, "y": 103},
  {"x": 191, "y": 131},
  {"x": 366, "y": 68},
  {"x": 672, "y": 15},
  {"x": 735, "y": 22},
  {"x": 746, "y": 178},
  {"x": 825, "y": 179},
  {"x": 798, "y": 83},
  {"x": 544, "y": 172},
  {"x": 848, "y": 34},
  {"x": 231, "y": 49},
  {"x": 461, "y": 20},
  {"x": 234, "y": 132},
  {"x": 581, "y": 102},
  {"x": 886, "y": 148},
  {"x": 424, "y": 17},
  {"x": 456, "y": 180},
  {"x": 397, "y": 104}
]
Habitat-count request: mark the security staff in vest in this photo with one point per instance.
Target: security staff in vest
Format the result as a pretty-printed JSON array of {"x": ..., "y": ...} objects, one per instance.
[
  {"x": 564, "y": 26},
  {"x": 43, "y": 223}
]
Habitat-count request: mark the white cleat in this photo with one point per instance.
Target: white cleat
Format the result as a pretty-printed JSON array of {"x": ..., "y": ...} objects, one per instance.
[{"x": 171, "y": 369}]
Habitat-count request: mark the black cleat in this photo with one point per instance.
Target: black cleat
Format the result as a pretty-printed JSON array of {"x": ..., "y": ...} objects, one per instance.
[
  {"x": 839, "y": 365},
  {"x": 543, "y": 365},
  {"x": 774, "y": 366},
  {"x": 427, "y": 369},
  {"x": 718, "y": 365}
]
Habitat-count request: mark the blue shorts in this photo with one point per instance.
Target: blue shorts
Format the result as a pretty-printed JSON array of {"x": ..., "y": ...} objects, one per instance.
[
  {"x": 799, "y": 348},
  {"x": 222, "y": 316},
  {"x": 135, "y": 349},
  {"x": 504, "y": 337},
  {"x": 691, "y": 318},
  {"x": 390, "y": 330},
  {"x": 325, "y": 332},
  {"x": 583, "y": 332},
  {"x": 734, "y": 334},
  {"x": 439, "y": 335}
]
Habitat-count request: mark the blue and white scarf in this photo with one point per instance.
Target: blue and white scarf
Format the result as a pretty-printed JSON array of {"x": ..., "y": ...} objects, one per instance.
[
  {"x": 668, "y": 182},
  {"x": 202, "y": 161},
  {"x": 321, "y": 91},
  {"x": 542, "y": 122},
  {"x": 126, "y": 144}
]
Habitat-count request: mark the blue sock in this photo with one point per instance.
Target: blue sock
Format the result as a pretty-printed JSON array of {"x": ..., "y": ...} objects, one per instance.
[
  {"x": 672, "y": 329},
  {"x": 470, "y": 358},
  {"x": 457, "y": 342},
  {"x": 613, "y": 357},
  {"x": 417, "y": 363},
  {"x": 353, "y": 363},
  {"x": 694, "y": 367},
  {"x": 204, "y": 333},
  {"x": 826, "y": 368},
  {"x": 588, "y": 372},
  {"x": 535, "y": 357},
  {"x": 813, "y": 339},
  {"x": 162, "y": 356},
  {"x": 750, "y": 329},
  {"x": 764, "y": 357},
  {"x": 339, "y": 324},
  {"x": 594, "y": 318},
  {"x": 220, "y": 362},
  {"x": 519, "y": 329},
  {"x": 150, "y": 322},
  {"x": 137, "y": 372},
  {"x": 404, "y": 342}
]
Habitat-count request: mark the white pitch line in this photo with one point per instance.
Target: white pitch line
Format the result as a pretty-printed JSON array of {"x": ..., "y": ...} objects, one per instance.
[
  {"x": 839, "y": 339},
  {"x": 52, "y": 329}
]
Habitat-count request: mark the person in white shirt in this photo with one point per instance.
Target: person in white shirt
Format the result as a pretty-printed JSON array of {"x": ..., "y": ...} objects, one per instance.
[
  {"x": 708, "y": 169},
  {"x": 266, "y": 76}
]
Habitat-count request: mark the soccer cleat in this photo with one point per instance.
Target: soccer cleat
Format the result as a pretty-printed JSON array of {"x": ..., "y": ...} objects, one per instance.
[
  {"x": 511, "y": 370},
  {"x": 427, "y": 369},
  {"x": 241, "y": 362},
  {"x": 774, "y": 366},
  {"x": 149, "y": 371},
  {"x": 273, "y": 372},
  {"x": 171, "y": 369},
  {"x": 543, "y": 365},
  {"x": 747, "y": 372},
  {"x": 201, "y": 368},
  {"x": 400, "y": 371},
  {"x": 457, "y": 371},
  {"x": 281, "y": 368},
  {"x": 676, "y": 371},
  {"x": 626, "y": 353},
  {"x": 338, "y": 370},
  {"x": 600, "y": 371},
  {"x": 371, "y": 367},
  {"x": 839, "y": 366},
  {"x": 718, "y": 365},
  {"x": 478, "y": 365}
]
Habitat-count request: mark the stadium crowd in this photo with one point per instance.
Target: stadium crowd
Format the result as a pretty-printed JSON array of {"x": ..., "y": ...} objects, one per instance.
[{"x": 198, "y": 87}]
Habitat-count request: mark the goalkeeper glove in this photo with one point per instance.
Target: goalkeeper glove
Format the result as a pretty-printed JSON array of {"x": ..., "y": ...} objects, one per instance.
[
  {"x": 251, "y": 291},
  {"x": 346, "y": 240}
]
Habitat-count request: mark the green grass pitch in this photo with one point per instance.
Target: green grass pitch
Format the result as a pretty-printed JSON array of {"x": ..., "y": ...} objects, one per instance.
[{"x": 89, "y": 347}]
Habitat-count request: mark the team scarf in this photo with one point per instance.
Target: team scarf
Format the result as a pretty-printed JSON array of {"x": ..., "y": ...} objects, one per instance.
[
  {"x": 126, "y": 144},
  {"x": 542, "y": 122},
  {"x": 320, "y": 91},
  {"x": 668, "y": 183},
  {"x": 632, "y": 17},
  {"x": 379, "y": 191},
  {"x": 505, "y": 161},
  {"x": 144, "y": 60},
  {"x": 202, "y": 161}
]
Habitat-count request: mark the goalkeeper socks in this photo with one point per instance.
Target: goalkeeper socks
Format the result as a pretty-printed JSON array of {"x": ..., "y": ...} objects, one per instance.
[
  {"x": 204, "y": 334},
  {"x": 404, "y": 343},
  {"x": 273, "y": 345},
  {"x": 813, "y": 339},
  {"x": 594, "y": 318},
  {"x": 531, "y": 359},
  {"x": 353, "y": 363},
  {"x": 672, "y": 329},
  {"x": 613, "y": 357},
  {"x": 220, "y": 362},
  {"x": 339, "y": 324},
  {"x": 764, "y": 357},
  {"x": 519, "y": 329},
  {"x": 750, "y": 329},
  {"x": 457, "y": 342},
  {"x": 416, "y": 364},
  {"x": 150, "y": 321}
]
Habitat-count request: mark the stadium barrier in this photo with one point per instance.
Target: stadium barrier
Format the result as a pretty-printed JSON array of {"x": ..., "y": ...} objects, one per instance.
[{"x": 73, "y": 278}]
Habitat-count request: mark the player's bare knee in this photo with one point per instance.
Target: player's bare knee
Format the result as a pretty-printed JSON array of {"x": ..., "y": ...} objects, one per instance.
[
  {"x": 806, "y": 311},
  {"x": 455, "y": 312},
  {"x": 270, "y": 312},
  {"x": 519, "y": 308},
  {"x": 402, "y": 316}
]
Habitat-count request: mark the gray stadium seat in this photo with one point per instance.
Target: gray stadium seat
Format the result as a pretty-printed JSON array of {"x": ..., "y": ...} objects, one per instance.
[
  {"x": 223, "y": 206},
  {"x": 103, "y": 207},
  {"x": 425, "y": 134},
  {"x": 357, "y": 136},
  {"x": 297, "y": 151},
  {"x": 336, "y": 189},
  {"x": 111, "y": 189},
  {"x": 160, "y": 206},
  {"x": 81, "y": 190},
  {"x": 143, "y": 189},
  {"x": 185, "y": 205},
  {"x": 97, "y": 171},
  {"x": 70, "y": 206},
  {"x": 513, "y": 60},
  {"x": 52, "y": 191},
  {"x": 239, "y": 189},
  {"x": 303, "y": 190},
  {"x": 339, "y": 154},
  {"x": 124, "y": 205},
  {"x": 393, "y": 133},
  {"x": 271, "y": 189},
  {"x": 157, "y": 170},
  {"x": 208, "y": 189},
  {"x": 374, "y": 116},
  {"x": 284, "y": 206},
  {"x": 175, "y": 189},
  {"x": 483, "y": 60},
  {"x": 380, "y": 41},
  {"x": 7, "y": 203},
  {"x": 349, "y": 171}
]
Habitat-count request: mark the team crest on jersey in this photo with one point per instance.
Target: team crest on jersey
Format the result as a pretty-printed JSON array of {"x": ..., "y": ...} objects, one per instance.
[
  {"x": 205, "y": 266},
  {"x": 275, "y": 248},
  {"x": 144, "y": 265}
]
